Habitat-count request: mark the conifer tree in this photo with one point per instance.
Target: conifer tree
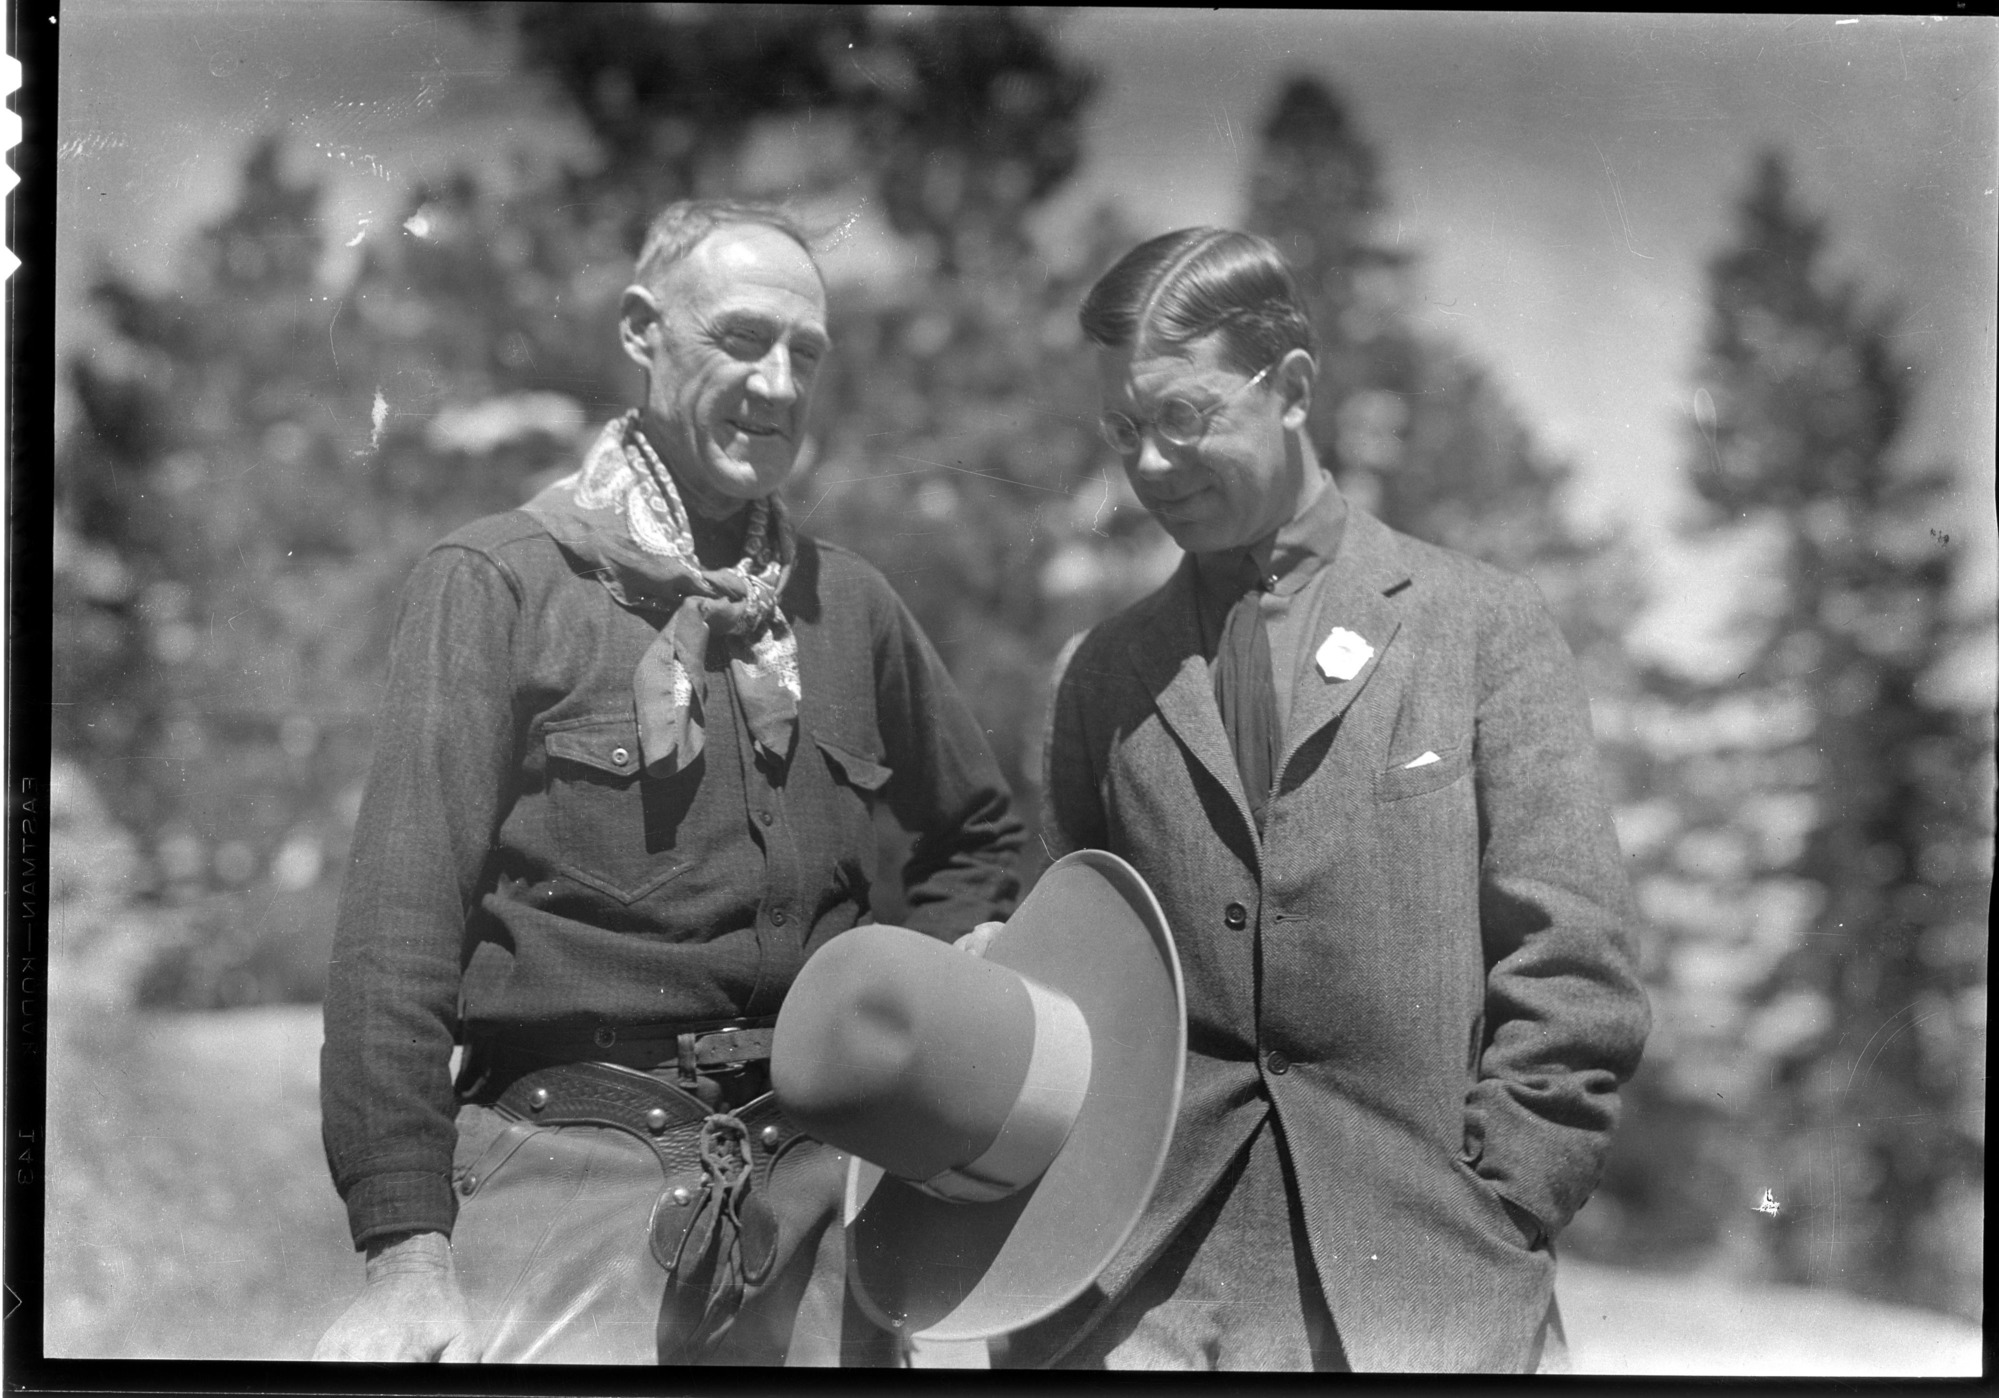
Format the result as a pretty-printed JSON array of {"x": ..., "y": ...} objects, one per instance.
[
  {"x": 1412, "y": 426},
  {"x": 1820, "y": 888}
]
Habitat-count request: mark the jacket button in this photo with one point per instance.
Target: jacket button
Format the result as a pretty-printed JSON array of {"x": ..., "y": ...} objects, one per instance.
[
  {"x": 620, "y": 756},
  {"x": 1236, "y": 915},
  {"x": 1277, "y": 1063},
  {"x": 656, "y": 1120},
  {"x": 765, "y": 816},
  {"x": 777, "y": 917},
  {"x": 770, "y": 1136}
]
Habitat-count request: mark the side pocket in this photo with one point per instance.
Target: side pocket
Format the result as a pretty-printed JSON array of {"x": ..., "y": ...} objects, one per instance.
[
  {"x": 1509, "y": 1220},
  {"x": 487, "y": 1163}
]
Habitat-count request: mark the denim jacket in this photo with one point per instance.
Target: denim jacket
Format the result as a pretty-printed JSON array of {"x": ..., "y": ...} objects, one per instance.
[{"x": 512, "y": 866}]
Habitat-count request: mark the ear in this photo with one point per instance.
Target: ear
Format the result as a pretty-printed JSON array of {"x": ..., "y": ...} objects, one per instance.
[
  {"x": 638, "y": 324},
  {"x": 1297, "y": 374}
]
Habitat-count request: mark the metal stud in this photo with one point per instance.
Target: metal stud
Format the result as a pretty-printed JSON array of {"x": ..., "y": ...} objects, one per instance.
[
  {"x": 620, "y": 756},
  {"x": 656, "y": 1120},
  {"x": 605, "y": 1037},
  {"x": 537, "y": 1099},
  {"x": 770, "y": 1135},
  {"x": 468, "y": 1184},
  {"x": 680, "y": 1196}
]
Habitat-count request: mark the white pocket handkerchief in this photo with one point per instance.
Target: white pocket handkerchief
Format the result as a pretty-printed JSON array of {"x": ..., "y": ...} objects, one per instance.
[
  {"x": 1425, "y": 760},
  {"x": 1343, "y": 655}
]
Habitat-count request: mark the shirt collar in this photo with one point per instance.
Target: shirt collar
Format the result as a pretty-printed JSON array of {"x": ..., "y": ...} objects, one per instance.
[{"x": 1284, "y": 561}]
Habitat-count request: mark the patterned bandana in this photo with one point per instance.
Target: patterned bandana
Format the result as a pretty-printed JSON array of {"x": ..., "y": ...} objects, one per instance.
[{"x": 621, "y": 516}]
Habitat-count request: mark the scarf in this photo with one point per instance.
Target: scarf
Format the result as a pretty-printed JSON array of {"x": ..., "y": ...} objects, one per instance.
[{"x": 620, "y": 516}]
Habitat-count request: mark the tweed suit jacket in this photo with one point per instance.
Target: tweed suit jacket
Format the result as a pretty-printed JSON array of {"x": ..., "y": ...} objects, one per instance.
[{"x": 1424, "y": 971}]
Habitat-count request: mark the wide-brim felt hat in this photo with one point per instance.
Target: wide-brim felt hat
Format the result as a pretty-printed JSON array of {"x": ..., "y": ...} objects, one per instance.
[{"x": 1008, "y": 1115}]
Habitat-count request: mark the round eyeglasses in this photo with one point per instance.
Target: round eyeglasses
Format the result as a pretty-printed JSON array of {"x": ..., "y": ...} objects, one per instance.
[{"x": 1177, "y": 422}]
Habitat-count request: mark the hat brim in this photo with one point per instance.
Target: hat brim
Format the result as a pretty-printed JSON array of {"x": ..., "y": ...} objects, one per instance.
[{"x": 943, "y": 1270}]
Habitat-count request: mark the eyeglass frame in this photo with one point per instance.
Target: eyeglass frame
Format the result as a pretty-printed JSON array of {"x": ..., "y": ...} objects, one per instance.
[{"x": 1139, "y": 426}]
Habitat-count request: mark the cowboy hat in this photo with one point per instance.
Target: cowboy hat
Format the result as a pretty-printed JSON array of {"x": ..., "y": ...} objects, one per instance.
[{"x": 1008, "y": 1114}]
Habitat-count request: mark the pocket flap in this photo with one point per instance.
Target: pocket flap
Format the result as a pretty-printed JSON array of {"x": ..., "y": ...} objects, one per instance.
[
  {"x": 608, "y": 744},
  {"x": 863, "y": 772}
]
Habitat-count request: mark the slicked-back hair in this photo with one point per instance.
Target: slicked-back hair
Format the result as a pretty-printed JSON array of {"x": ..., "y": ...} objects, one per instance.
[
  {"x": 1180, "y": 287},
  {"x": 679, "y": 228}
]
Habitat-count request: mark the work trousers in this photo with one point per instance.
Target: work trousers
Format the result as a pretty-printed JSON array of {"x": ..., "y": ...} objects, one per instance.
[
  {"x": 1236, "y": 1289},
  {"x": 553, "y": 1251}
]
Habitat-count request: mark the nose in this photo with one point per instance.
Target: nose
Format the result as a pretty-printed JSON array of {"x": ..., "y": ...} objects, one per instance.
[
  {"x": 1151, "y": 463},
  {"x": 772, "y": 379}
]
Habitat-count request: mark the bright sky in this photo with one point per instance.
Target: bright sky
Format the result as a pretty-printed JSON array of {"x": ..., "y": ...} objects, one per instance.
[{"x": 1563, "y": 179}]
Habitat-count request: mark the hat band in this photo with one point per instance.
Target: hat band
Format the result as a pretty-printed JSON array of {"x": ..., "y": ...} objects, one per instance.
[{"x": 1042, "y": 1115}]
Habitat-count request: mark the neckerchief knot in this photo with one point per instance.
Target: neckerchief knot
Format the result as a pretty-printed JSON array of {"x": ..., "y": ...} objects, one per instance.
[{"x": 621, "y": 517}]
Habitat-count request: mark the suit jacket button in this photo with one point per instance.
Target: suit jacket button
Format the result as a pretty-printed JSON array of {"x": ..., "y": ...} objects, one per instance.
[
  {"x": 1277, "y": 1063},
  {"x": 1236, "y": 915}
]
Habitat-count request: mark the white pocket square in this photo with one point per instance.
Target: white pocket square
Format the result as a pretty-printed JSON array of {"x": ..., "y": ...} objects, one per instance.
[{"x": 1425, "y": 760}]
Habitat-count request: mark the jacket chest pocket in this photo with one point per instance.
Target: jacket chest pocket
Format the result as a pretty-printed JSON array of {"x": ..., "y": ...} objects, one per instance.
[
  {"x": 1421, "y": 773},
  {"x": 612, "y": 825}
]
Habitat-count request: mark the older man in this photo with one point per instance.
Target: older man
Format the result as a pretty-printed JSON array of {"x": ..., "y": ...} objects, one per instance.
[
  {"x": 633, "y": 738},
  {"x": 1357, "y": 770}
]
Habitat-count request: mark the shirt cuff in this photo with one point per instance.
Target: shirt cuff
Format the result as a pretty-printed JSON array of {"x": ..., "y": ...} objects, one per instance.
[{"x": 400, "y": 1201}]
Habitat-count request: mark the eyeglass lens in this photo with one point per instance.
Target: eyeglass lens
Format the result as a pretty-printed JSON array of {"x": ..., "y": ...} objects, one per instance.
[{"x": 1178, "y": 422}]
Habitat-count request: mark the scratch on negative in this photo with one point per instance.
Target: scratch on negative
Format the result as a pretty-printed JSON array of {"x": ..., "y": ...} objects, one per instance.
[
  {"x": 1102, "y": 505},
  {"x": 989, "y": 475},
  {"x": 1617, "y": 194},
  {"x": 1884, "y": 1043}
]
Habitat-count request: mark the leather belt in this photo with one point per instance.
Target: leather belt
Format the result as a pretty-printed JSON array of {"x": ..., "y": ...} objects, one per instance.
[
  {"x": 692, "y": 1049},
  {"x": 604, "y": 1094}
]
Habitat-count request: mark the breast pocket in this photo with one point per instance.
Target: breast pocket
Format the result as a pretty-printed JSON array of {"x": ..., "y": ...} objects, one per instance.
[
  {"x": 1422, "y": 771},
  {"x": 863, "y": 775},
  {"x": 612, "y": 825},
  {"x": 852, "y": 787}
]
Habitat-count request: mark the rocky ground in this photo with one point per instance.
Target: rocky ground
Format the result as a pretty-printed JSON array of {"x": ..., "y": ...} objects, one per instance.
[{"x": 189, "y": 1216}]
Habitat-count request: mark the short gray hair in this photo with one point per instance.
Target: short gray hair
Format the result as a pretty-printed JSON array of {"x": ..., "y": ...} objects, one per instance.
[{"x": 679, "y": 228}]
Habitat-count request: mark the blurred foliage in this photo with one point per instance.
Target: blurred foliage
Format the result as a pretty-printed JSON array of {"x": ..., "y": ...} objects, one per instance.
[
  {"x": 261, "y": 456},
  {"x": 1812, "y": 837}
]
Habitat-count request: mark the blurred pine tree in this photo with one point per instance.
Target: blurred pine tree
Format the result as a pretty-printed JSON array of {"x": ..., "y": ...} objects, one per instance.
[
  {"x": 1819, "y": 866},
  {"x": 1414, "y": 429}
]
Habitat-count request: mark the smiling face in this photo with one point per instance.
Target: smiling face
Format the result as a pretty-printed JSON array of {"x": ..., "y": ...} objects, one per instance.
[
  {"x": 731, "y": 339},
  {"x": 1247, "y": 473}
]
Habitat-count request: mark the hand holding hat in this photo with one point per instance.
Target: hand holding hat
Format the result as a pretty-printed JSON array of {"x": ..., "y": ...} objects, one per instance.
[
  {"x": 979, "y": 938},
  {"x": 1009, "y": 1111}
]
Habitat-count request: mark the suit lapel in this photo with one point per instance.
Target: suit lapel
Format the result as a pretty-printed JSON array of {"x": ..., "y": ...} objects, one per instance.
[
  {"x": 1367, "y": 566},
  {"x": 1167, "y": 655}
]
